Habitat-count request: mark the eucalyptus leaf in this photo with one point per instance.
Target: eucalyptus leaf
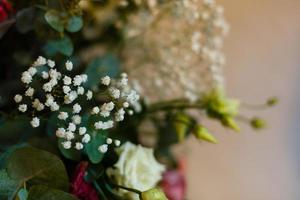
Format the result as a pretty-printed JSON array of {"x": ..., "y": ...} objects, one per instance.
[
  {"x": 71, "y": 154},
  {"x": 22, "y": 194},
  {"x": 63, "y": 45},
  {"x": 54, "y": 20},
  {"x": 8, "y": 186},
  {"x": 37, "y": 167},
  {"x": 4, "y": 156},
  {"x": 74, "y": 24},
  {"x": 99, "y": 67},
  {"x": 40, "y": 192}
]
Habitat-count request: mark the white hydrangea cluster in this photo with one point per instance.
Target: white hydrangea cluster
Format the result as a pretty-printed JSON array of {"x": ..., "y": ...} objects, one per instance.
[
  {"x": 62, "y": 91},
  {"x": 176, "y": 45}
]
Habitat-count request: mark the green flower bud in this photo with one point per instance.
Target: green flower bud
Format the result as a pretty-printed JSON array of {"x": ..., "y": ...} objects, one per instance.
[
  {"x": 230, "y": 123},
  {"x": 203, "y": 134},
  {"x": 272, "y": 101},
  {"x": 153, "y": 194},
  {"x": 181, "y": 125},
  {"x": 258, "y": 123}
]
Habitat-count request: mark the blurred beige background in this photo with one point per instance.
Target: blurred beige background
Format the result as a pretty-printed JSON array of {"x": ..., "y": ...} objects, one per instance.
[{"x": 263, "y": 53}]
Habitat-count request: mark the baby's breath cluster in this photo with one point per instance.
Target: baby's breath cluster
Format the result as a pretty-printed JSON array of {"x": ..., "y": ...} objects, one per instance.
[
  {"x": 47, "y": 89},
  {"x": 176, "y": 45}
]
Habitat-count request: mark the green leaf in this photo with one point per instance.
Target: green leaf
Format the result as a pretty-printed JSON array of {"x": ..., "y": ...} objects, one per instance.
[
  {"x": 63, "y": 45},
  {"x": 203, "y": 134},
  {"x": 181, "y": 123},
  {"x": 54, "y": 20},
  {"x": 71, "y": 154},
  {"x": 6, "y": 154},
  {"x": 8, "y": 186},
  {"x": 40, "y": 192},
  {"x": 99, "y": 67},
  {"x": 37, "y": 167},
  {"x": 22, "y": 194},
  {"x": 74, "y": 24},
  {"x": 25, "y": 19}
]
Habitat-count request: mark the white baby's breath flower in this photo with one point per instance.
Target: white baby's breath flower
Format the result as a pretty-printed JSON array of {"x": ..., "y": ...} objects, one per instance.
[
  {"x": 49, "y": 100},
  {"x": 60, "y": 133},
  {"x": 54, "y": 74},
  {"x": 67, "y": 80},
  {"x": 78, "y": 146},
  {"x": 109, "y": 141},
  {"x": 119, "y": 115},
  {"x": 63, "y": 115},
  {"x": 86, "y": 138},
  {"x": 40, "y": 61},
  {"x": 125, "y": 104},
  {"x": 45, "y": 75},
  {"x": 69, "y": 135},
  {"x": 130, "y": 112},
  {"x": 69, "y": 65},
  {"x": 29, "y": 92},
  {"x": 38, "y": 105},
  {"x": 54, "y": 106},
  {"x": 47, "y": 87},
  {"x": 35, "y": 122},
  {"x": 67, "y": 144},
  {"x": 82, "y": 130},
  {"x": 117, "y": 142},
  {"x": 80, "y": 90},
  {"x": 105, "y": 80},
  {"x": 66, "y": 89},
  {"x": 69, "y": 98},
  {"x": 77, "y": 80},
  {"x": 104, "y": 125},
  {"x": 84, "y": 77},
  {"x": 95, "y": 110},
  {"x": 103, "y": 148},
  {"x": 26, "y": 77},
  {"x": 32, "y": 71},
  {"x": 76, "y": 119},
  {"x": 72, "y": 127},
  {"x": 106, "y": 108},
  {"x": 22, "y": 107},
  {"x": 76, "y": 108},
  {"x": 18, "y": 98},
  {"x": 50, "y": 63},
  {"x": 89, "y": 95},
  {"x": 115, "y": 93}
]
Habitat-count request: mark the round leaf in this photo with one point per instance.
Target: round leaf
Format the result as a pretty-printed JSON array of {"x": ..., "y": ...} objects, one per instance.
[
  {"x": 53, "y": 19},
  {"x": 40, "y": 192},
  {"x": 75, "y": 23}
]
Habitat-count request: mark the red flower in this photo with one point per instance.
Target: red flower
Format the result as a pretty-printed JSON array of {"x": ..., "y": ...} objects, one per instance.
[
  {"x": 79, "y": 187},
  {"x": 174, "y": 185},
  {"x": 5, "y": 10}
]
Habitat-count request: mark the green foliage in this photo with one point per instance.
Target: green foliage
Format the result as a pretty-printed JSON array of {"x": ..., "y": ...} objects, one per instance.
[
  {"x": 37, "y": 167},
  {"x": 71, "y": 153},
  {"x": 63, "y": 46},
  {"x": 8, "y": 186},
  {"x": 4, "y": 156},
  {"x": 182, "y": 124},
  {"x": 53, "y": 18},
  {"x": 22, "y": 194},
  {"x": 25, "y": 19},
  {"x": 74, "y": 24},
  {"x": 97, "y": 138},
  {"x": 41, "y": 192},
  {"x": 99, "y": 67}
]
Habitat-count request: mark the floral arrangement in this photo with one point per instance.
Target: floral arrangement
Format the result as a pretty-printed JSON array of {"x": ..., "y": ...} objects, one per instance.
[{"x": 94, "y": 95}]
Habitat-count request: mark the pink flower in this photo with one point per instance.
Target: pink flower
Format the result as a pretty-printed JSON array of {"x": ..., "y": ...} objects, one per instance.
[
  {"x": 3, "y": 14},
  {"x": 5, "y": 10},
  {"x": 79, "y": 187},
  {"x": 174, "y": 185}
]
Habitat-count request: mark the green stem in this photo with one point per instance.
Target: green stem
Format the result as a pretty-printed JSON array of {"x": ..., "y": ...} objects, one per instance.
[
  {"x": 126, "y": 188},
  {"x": 176, "y": 104}
]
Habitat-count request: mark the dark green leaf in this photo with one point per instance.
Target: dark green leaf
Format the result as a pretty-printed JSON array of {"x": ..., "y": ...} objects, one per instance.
[
  {"x": 8, "y": 186},
  {"x": 71, "y": 154},
  {"x": 75, "y": 23},
  {"x": 99, "y": 67},
  {"x": 37, "y": 167},
  {"x": 25, "y": 19},
  {"x": 63, "y": 46},
  {"x": 40, "y": 192},
  {"x": 22, "y": 194},
  {"x": 54, "y": 20},
  {"x": 6, "y": 154}
]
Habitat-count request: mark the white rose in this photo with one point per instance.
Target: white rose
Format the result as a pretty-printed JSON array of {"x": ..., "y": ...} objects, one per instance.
[{"x": 136, "y": 168}]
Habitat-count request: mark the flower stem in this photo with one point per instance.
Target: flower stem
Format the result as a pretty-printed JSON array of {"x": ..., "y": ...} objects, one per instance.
[{"x": 174, "y": 104}]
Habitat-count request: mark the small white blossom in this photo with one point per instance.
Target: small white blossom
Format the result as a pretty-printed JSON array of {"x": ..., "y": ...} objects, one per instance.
[
  {"x": 29, "y": 92},
  {"x": 35, "y": 122},
  {"x": 76, "y": 119},
  {"x": 77, "y": 80},
  {"x": 119, "y": 115},
  {"x": 78, "y": 146},
  {"x": 103, "y": 148},
  {"x": 109, "y": 141},
  {"x": 69, "y": 98},
  {"x": 32, "y": 71},
  {"x": 66, "y": 89},
  {"x": 39, "y": 61},
  {"x": 22, "y": 107},
  {"x": 95, "y": 110},
  {"x": 66, "y": 144},
  {"x": 117, "y": 142},
  {"x": 38, "y": 105},
  {"x": 89, "y": 95},
  {"x": 104, "y": 125},
  {"x": 47, "y": 87},
  {"x": 69, "y": 65},
  {"x": 67, "y": 80},
  {"x": 26, "y": 77},
  {"x": 69, "y": 135},
  {"x": 80, "y": 90},
  {"x": 63, "y": 115},
  {"x": 54, "y": 74},
  {"x": 18, "y": 98},
  {"x": 60, "y": 133},
  {"x": 86, "y": 138},
  {"x": 49, "y": 100},
  {"x": 45, "y": 75},
  {"x": 115, "y": 93},
  {"x": 50, "y": 63},
  {"x": 72, "y": 127},
  {"x": 54, "y": 106},
  {"x": 76, "y": 108},
  {"x": 82, "y": 130},
  {"x": 106, "y": 108},
  {"x": 130, "y": 112},
  {"x": 84, "y": 77},
  {"x": 125, "y": 104},
  {"x": 105, "y": 80}
]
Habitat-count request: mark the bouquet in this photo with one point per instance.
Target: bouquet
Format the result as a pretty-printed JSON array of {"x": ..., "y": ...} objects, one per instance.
[{"x": 95, "y": 93}]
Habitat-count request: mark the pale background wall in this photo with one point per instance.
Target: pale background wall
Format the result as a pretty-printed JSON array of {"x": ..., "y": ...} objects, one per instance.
[{"x": 263, "y": 51}]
